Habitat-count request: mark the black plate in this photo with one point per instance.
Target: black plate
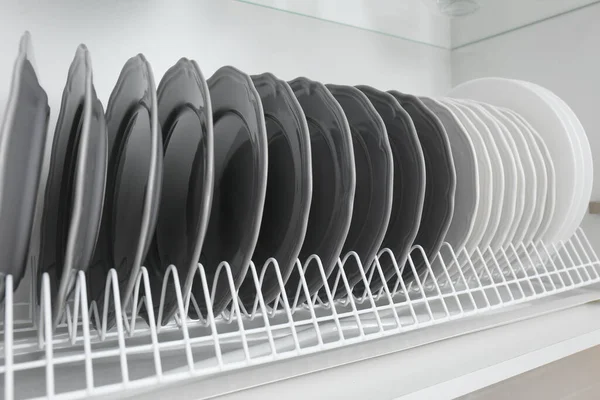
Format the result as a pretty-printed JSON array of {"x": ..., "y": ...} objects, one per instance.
[
  {"x": 185, "y": 114},
  {"x": 440, "y": 175},
  {"x": 409, "y": 185},
  {"x": 374, "y": 184},
  {"x": 76, "y": 182},
  {"x": 22, "y": 140},
  {"x": 132, "y": 186},
  {"x": 289, "y": 187},
  {"x": 239, "y": 186},
  {"x": 334, "y": 183}
]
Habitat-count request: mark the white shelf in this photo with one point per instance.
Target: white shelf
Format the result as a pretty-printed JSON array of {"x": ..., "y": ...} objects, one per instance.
[
  {"x": 562, "y": 344},
  {"x": 443, "y": 361}
]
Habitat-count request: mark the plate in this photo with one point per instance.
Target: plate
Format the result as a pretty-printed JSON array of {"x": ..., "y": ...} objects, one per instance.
[
  {"x": 22, "y": 140},
  {"x": 408, "y": 185},
  {"x": 485, "y": 176},
  {"x": 529, "y": 185},
  {"x": 74, "y": 193},
  {"x": 133, "y": 184},
  {"x": 334, "y": 184},
  {"x": 466, "y": 198},
  {"x": 374, "y": 185},
  {"x": 586, "y": 177},
  {"x": 289, "y": 188},
  {"x": 542, "y": 116},
  {"x": 495, "y": 187},
  {"x": 588, "y": 163},
  {"x": 539, "y": 165},
  {"x": 506, "y": 206},
  {"x": 438, "y": 205},
  {"x": 240, "y": 184},
  {"x": 519, "y": 178},
  {"x": 185, "y": 115},
  {"x": 510, "y": 225},
  {"x": 551, "y": 181},
  {"x": 569, "y": 129}
]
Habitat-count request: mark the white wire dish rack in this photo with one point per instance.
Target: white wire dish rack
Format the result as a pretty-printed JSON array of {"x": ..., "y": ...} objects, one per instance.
[{"x": 75, "y": 360}]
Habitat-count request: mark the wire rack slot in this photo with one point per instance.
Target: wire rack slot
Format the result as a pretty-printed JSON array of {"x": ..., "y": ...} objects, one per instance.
[{"x": 75, "y": 359}]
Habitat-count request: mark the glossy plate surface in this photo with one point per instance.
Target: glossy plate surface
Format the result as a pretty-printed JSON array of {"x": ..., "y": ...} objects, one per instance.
[
  {"x": 440, "y": 173},
  {"x": 408, "y": 185},
  {"x": 75, "y": 188},
  {"x": 541, "y": 175},
  {"x": 374, "y": 184},
  {"x": 527, "y": 182},
  {"x": 504, "y": 209},
  {"x": 185, "y": 115},
  {"x": 132, "y": 186},
  {"x": 485, "y": 177},
  {"x": 289, "y": 188},
  {"x": 466, "y": 199},
  {"x": 334, "y": 184},
  {"x": 549, "y": 205},
  {"x": 586, "y": 177},
  {"x": 240, "y": 183},
  {"x": 543, "y": 117},
  {"x": 22, "y": 139}
]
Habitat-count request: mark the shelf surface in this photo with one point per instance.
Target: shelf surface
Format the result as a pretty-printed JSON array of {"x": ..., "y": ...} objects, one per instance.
[{"x": 442, "y": 361}]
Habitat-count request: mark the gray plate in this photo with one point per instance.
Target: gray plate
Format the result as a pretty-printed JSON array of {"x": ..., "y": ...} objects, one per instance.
[
  {"x": 22, "y": 138},
  {"x": 240, "y": 184},
  {"x": 466, "y": 199},
  {"x": 185, "y": 114},
  {"x": 504, "y": 201},
  {"x": 74, "y": 193},
  {"x": 438, "y": 205},
  {"x": 408, "y": 186},
  {"x": 132, "y": 186},
  {"x": 334, "y": 183},
  {"x": 374, "y": 184},
  {"x": 491, "y": 176},
  {"x": 289, "y": 187}
]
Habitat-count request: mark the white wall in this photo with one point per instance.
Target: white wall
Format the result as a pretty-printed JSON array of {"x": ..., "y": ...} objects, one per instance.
[
  {"x": 497, "y": 16},
  {"x": 562, "y": 54},
  {"x": 215, "y": 33}
]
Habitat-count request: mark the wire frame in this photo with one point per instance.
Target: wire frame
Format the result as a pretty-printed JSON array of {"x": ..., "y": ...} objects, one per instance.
[{"x": 75, "y": 360}]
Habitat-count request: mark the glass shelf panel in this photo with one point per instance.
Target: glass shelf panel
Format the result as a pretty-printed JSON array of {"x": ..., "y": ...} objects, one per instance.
[
  {"x": 413, "y": 20},
  {"x": 421, "y": 20}
]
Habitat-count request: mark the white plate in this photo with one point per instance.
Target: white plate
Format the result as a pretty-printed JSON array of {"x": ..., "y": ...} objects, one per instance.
[
  {"x": 541, "y": 176},
  {"x": 509, "y": 164},
  {"x": 496, "y": 197},
  {"x": 529, "y": 188},
  {"x": 484, "y": 167},
  {"x": 549, "y": 205},
  {"x": 542, "y": 116},
  {"x": 467, "y": 177},
  {"x": 586, "y": 175},
  {"x": 520, "y": 174},
  {"x": 569, "y": 226}
]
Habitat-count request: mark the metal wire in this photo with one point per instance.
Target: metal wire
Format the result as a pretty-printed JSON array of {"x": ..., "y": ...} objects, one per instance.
[{"x": 452, "y": 286}]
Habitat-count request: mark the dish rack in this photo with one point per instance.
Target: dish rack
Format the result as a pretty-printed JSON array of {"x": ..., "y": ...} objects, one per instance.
[{"x": 76, "y": 360}]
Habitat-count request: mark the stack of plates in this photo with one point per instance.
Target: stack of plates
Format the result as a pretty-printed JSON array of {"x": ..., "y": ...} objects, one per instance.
[{"x": 237, "y": 168}]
